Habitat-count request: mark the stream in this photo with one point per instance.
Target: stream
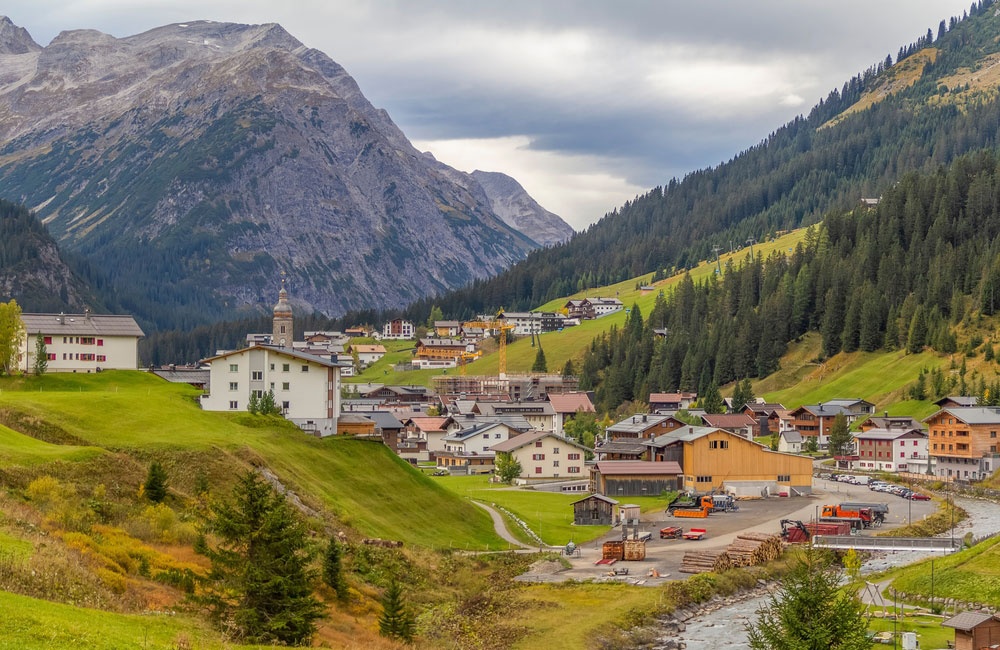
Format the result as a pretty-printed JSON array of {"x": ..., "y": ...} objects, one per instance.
[{"x": 726, "y": 627}]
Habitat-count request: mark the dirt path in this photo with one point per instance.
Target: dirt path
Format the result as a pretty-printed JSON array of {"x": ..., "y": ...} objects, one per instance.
[{"x": 500, "y": 526}]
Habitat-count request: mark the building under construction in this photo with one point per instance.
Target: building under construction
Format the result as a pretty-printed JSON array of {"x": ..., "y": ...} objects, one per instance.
[{"x": 516, "y": 387}]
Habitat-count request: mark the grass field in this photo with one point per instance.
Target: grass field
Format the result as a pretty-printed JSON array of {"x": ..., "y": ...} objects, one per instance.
[
  {"x": 363, "y": 483},
  {"x": 548, "y": 514}
]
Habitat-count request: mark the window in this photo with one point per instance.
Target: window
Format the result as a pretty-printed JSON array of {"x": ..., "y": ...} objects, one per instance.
[
  {"x": 272, "y": 367},
  {"x": 100, "y": 342},
  {"x": 573, "y": 456},
  {"x": 258, "y": 393},
  {"x": 497, "y": 436},
  {"x": 784, "y": 478},
  {"x": 574, "y": 470},
  {"x": 538, "y": 470},
  {"x": 538, "y": 443},
  {"x": 486, "y": 436},
  {"x": 284, "y": 405},
  {"x": 993, "y": 434},
  {"x": 537, "y": 456},
  {"x": 703, "y": 479},
  {"x": 48, "y": 341},
  {"x": 555, "y": 450},
  {"x": 234, "y": 385},
  {"x": 902, "y": 454},
  {"x": 257, "y": 375},
  {"x": 285, "y": 385},
  {"x": 305, "y": 368},
  {"x": 234, "y": 367},
  {"x": 101, "y": 357},
  {"x": 233, "y": 405},
  {"x": 284, "y": 367},
  {"x": 52, "y": 356},
  {"x": 555, "y": 463},
  {"x": 718, "y": 444}
]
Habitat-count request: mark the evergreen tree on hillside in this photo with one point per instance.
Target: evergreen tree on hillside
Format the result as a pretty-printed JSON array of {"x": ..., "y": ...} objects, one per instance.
[
  {"x": 540, "y": 365},
  {"x": 840, "y": 441},
  {"x": 711, "y": 400},
  {"x": 396, "y": 621},
  {"x": 260, "y": 579},
  {"x": 333, "y": 572},
  {"x": 155, "y": 487},
  {"x": 743, "y": 394}
]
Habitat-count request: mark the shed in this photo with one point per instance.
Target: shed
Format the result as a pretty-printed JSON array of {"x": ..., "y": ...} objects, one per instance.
[
  {"x": 595, "y": 510},
  {"x": 974, "y": 630},
  {"x": 627, "y": 478}
]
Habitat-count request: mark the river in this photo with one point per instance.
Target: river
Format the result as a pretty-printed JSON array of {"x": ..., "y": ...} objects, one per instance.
[{"x": 726, "y": 628}]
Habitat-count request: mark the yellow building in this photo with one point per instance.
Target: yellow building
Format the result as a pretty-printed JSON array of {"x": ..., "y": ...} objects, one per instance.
[{"x": 715, "y": 459}]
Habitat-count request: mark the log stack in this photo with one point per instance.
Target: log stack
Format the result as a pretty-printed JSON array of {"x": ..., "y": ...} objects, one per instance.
[
  {"x": 705, "y": 561},
  {"x": 750, "y": 549}
]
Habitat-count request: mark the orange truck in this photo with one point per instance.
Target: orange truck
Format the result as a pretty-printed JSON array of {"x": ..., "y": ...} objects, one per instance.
[
  {"x": 865, "y": 515},
  {"x": 700, "y": 513}
]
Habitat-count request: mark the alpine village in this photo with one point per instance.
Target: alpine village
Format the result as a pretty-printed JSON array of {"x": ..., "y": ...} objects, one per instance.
[{"x": 273, "y": 377}]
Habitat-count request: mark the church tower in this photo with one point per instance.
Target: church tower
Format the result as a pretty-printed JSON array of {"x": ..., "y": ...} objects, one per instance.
[{"x": 282, "y": 323}]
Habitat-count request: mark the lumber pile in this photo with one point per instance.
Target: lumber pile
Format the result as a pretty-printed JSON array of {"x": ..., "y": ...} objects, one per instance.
[
  {"x": 705, "y": 561},
  {"x": 750, "y": 549}
]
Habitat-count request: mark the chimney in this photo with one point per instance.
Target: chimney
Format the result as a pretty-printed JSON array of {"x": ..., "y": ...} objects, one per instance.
[
  {"x": 86, "y": 313},
  {"x": 885, "y": 413},
  {"x": 61, "y": 318},
  {"x": 644, "y": 417}
]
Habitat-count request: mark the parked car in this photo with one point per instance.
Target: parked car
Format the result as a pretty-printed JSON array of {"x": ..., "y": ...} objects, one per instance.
[
  {"x": 875, "y": 485},
  {"x": 917, "y": 496}
]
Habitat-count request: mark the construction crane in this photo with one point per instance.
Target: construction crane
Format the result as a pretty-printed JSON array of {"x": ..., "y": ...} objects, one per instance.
[{"x": 503, "y": 328}]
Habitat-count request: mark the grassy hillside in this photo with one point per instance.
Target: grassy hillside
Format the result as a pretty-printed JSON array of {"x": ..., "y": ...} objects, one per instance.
[{"x": 145, "y": 417}]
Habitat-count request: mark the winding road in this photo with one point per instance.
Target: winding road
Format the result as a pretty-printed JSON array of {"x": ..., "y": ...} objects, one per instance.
[{"x": 500, "y": 526}]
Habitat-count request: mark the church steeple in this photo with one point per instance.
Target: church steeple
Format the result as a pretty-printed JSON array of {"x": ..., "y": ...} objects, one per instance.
[{"x": 282, "y": 323}]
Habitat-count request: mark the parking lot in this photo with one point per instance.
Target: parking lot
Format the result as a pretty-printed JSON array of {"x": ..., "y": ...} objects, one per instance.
[{"x": 758, "y": 515}]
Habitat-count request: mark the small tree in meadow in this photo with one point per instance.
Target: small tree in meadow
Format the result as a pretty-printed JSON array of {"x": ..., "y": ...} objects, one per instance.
[
  {"x": 155, "y": 487},
  {"x": 41, "y": 355},
  {"x": 333, "y": 574},
  {"x": 396, "y": 622}
]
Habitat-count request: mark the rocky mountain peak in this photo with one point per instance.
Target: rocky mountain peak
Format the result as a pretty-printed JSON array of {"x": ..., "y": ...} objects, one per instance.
[
  {"x": 14, "y": 39},
  {"x": 515, "y": 206}
]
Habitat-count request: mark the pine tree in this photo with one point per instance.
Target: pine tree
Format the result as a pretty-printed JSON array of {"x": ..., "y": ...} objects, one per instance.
[
  {"x": 840, "y": 436},
  {"x": 569, "y": 370},
  {"x": 260, "y": 578},
  {"x": 253, "y": 406},
  {"x": 811, "y": 612},
  {"x": 917, "y": 338},
  {"x": 155, "y": 487},
  {"x": 711, "y": 400},
  {"x": 41, "y": 355},
  {"x": 540, "y": 365},
  {"x": 396, "y": 622},
  {"x": 742, "y": 394},
  {"x": 333, "y": 573}
]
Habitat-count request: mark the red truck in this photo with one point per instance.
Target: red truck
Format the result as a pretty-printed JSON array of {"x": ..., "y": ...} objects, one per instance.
[{"x": 865, "y": 515}]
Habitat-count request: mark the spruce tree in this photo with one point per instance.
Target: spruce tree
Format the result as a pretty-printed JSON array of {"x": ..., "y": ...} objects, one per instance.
[
  {"x": 333, "y": 573},
  {"x": 260, "y": 579},
  {"x": 840, "y": 436},
  {"x": 569, "y": 370},
  {"x": 811, "y": 612},
  {"x": 396, "y": 622},
  {"x": 711, "y": 401},
  {"x": 540, "y": 365},
  {"x": 155, "y": 487}
]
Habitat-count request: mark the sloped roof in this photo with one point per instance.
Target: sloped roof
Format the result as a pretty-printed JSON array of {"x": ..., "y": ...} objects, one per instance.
[
  {"x": 637, "y": 423},
  {"x": 671, "y": 397},
  {"x": 825, "y": 409},
  {"x": 384, "y": 420},
  {"x": 622, "y": 447},
  {"x": 529, "y": 438},
  {"x": 599, "y": 497},
  {"x": 888, "y": 434},
  {"x": 369, "y": 349},
  {"x": 893, "y": 422},
  {"x": 791, "y": 436},
  {"x": 728, "y": 420},
  {"x": 571, "y": 402},
  {"x": 287, "y": 352},
  {"x": 967, "y": 621},
  {"x": 763, "y": 408},
  {"x": 972, "y": 414},
  {"x": 960, "y": 400},
  {"x": 81, "y": 325},
  {"x": 643, "y": 467},
  {"x": 537, "y": 407},
  {"x": 430, "y": 423}
]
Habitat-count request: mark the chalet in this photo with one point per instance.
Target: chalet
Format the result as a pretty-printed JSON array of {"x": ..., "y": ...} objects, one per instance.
[
  {"x": 816, "y": 420},
  {"x": 767, "y": 416},
  {"x": 439, "y": 353},
  {"x": 514, "y": 387},
  {"x": 595, "y": 510},
  {"x": 671, "y": 401},
  {"x": 856, "y": 407},
  {"x": 396, "y": 395},
  {"x": 367, "y": 354},
  {"x": 355, "y": 424},
  {"x": 470, "y": 450},
  {"x": 963, "y": 442},
  {"x": 567, "y": 405},
  {"x": 790, "y": 442},
  {"x": 81, "y": 342},
  {"x": 717, "y": 459},
  {"x": 952, "y": 401},
  {"x": 890, "y": 450},
  {"x": 739, "y": 423},
  {"x": 974, "y": 630},
  {"x": 388, "y": 427},
  {"x": 398, "y": 329},
  {"x": 306, "y": 388},
  {"x": 625, "y": 478},
  {"x": 624, "y": 449},
  {"x": 642, "y": 427},
  {"x": 447, "y": 329},
  {"x": 431, "y": 430},
  {"x": 539, "y": 414},
  {"x": 356, "y": 332},
  {"x": 580, "y": 309},
  {"x": 544, "y": 456},
  {"x": 605, "y": 306},
  {"x": 895, "y": 422}
]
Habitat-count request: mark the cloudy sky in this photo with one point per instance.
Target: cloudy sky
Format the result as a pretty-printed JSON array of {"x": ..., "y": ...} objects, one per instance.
[{"x": 586, "y": 103}]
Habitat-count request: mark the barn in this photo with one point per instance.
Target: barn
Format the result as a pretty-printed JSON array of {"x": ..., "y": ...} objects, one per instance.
[
  {"x": 595, "y": 510},
  {"x": 635, "y": 478}
]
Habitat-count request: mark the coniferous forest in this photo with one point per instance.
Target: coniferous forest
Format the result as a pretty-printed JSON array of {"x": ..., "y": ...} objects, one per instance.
[{"x": 897, "y": 276}]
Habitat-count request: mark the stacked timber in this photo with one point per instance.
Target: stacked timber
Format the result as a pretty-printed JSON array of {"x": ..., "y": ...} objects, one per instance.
[
  {"x": 705, "y": 561},
  {"x": 750, "y": 549}
]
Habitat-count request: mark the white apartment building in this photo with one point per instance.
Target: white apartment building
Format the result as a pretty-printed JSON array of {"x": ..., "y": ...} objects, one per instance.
[{"x": 81, "y": 342}]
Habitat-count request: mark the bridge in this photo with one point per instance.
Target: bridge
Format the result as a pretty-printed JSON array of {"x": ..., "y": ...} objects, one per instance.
[{"x": 927, "y": 544}]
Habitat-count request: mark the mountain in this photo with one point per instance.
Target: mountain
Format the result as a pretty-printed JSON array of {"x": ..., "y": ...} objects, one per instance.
[
  {"x": 199, "y": 162},
  {"x": 936, "y": 102},
  {"x": 519, "y": 211},
  {"x": 33, "y": 269}
]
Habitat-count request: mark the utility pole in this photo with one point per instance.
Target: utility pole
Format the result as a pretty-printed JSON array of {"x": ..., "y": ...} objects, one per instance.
[
  {"x": 751, "y": 241},
  {"x": 716, "y": 249}
]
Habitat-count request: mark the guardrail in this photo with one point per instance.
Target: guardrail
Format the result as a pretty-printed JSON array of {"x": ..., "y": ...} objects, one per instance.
[{"x": 936, "y": 544}]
